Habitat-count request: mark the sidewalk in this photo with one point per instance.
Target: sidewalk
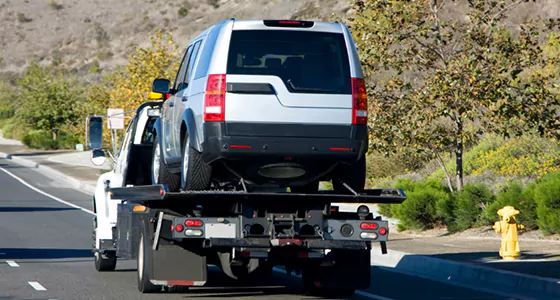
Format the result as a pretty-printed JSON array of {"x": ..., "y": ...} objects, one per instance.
[{"x": 468, "y": 259}]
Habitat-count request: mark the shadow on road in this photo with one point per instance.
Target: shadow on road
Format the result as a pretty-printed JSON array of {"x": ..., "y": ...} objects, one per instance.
[
  {"x": 34, "y": 209},
  {"x": 38, "y": 153},
  {"x": 43, "y": 253}
]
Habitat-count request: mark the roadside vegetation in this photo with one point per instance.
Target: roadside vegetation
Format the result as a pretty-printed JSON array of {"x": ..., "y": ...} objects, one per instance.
[{"x": 464, "y": 112}]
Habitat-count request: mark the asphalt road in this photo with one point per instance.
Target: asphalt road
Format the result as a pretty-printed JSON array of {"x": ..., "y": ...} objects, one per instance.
[{"x": 45, "y": 253}]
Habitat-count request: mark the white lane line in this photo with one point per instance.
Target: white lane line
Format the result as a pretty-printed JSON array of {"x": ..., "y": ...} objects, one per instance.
[
  {"x": 37, "y": 286},
  {"x": 46, "y": 194},
  {"x": 12, "y": 264},
  {"x": 361, "y": 293}
]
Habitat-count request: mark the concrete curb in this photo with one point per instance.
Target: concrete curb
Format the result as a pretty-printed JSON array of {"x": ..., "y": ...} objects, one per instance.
[
  {"x": 468, "y": 275},
  {"x": 51, "y": 173}
]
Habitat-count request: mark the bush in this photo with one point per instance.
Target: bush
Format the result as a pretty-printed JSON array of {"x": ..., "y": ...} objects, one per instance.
[
  {"x": 12, "y": 130},
  {"x": 547, "y": 198},
  {"x": 40, "y": 139},
  {"x": 470, "y": 206},
  {"x": 183, "y": 12},
  {"x": 421, "y": 208},
  {"x": 521, "y": 198}
]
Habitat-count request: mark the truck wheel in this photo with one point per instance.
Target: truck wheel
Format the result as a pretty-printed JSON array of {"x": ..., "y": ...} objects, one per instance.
[
  {"x": 314, "y": 286},
  {"x": 144, "y": 264},
  {"x": 195, "y": 173},
  {"x": 102, "y": 264},
  {"x": 353, "y": 175},
  {"x": 160, "y": 172}
]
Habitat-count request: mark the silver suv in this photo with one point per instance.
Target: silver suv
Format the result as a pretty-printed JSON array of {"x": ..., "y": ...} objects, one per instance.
[{"x": 271, "y": 102}]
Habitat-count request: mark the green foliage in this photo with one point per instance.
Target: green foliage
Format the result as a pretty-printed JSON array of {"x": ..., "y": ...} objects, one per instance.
[
  {"x": 528, "y": 156},
  {"x": 436, "y": 85},
  {"x": 470, "y": 206},
  {"x": 41, "y": 139},
  {"x": 547, "y": 197},
  {"x": 11, "y": 130},
  {"x": 183, "y": 12},
  {"x": 49, "y": 100},
  {"x": 421, "y": 208},
  {"x": 127, "y": 86},
  {"x": 521, "y": 198}
]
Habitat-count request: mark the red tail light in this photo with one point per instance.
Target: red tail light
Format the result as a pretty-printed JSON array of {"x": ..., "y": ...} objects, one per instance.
[
  {"x": 215, "y": 98},
  {"x": 368, "y": 226},
  {"x": 179, "y": 227},
  {"x": 193, "y": 223},
  {"x": 382, "y": 231},
  {"x": 359, "y": 101}
]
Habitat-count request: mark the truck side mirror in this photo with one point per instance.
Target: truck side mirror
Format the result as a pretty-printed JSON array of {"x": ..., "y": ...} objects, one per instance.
[
  {"x": 95, "y": 132},
  {"x": 161, "y": 86}
]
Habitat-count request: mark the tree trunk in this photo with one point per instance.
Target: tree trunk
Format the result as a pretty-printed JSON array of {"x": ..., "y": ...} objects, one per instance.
[
  {"x": 442, "y": 165},
  {"x": 459, "y": 156}
]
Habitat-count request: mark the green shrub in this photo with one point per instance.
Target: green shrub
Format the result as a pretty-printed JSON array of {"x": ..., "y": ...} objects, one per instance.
[
  {"x": 547, "y": 198},
  {"x": 183, "y": 12},
  {"x": 468, "y": 210},
  {"x": 12, "y": 130},
  {"x": 40, "y": 139},
  {"x": 385, "y": 209},
  {"x": 521, "y": 198},
  {"x": 420, "y": 210}
]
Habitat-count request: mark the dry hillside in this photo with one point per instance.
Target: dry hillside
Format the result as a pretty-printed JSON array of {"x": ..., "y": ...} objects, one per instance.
[{"x": 83, "y": 33}]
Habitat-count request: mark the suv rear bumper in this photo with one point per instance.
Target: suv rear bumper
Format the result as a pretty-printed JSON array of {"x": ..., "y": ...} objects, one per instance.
[{"x": 240, "y": 141}]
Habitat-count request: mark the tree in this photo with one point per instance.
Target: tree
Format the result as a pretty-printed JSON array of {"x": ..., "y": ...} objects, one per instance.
[
  {"x": 47, "y": 99},
  {"x": 127, "y": 86},
  {"x": 436, "y": 84}
]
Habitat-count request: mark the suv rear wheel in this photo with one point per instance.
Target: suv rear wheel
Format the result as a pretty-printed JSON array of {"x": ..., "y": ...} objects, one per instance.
[
  {"x": 195, "y": 173},
  {"x": 160, "y": 173},
  {"x": 353, "y": 175}
]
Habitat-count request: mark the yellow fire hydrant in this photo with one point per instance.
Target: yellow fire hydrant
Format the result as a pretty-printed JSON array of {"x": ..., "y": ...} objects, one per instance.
[{"x": 508, "y": 227}]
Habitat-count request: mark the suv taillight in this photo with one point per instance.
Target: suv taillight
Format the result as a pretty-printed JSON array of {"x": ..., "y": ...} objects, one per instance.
[
  {"x": 215, "y": 98},
  {"x": 359, "y": 101}
]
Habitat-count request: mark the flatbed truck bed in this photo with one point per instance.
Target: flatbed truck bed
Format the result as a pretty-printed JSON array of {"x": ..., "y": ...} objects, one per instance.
[{"x": 176, "y": 235}]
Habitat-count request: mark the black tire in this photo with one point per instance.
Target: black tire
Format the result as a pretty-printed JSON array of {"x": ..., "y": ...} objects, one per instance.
[
  {"x": 195, "y": 173},
  {"x": 353, "y": 175},
  {"x": 164, "y": 176},
  {"x": 315, "y": 288},
  {"x": 104, "y": 264},
  {"x": 144, "y": 264}
]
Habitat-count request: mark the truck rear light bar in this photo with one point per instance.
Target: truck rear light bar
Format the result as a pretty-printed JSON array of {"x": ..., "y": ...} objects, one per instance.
[{"x": 193, "y": 223}]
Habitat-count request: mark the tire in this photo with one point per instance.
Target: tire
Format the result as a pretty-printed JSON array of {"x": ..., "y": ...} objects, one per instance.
[
  {"x": 195, "y": 173},
  {"x": 353, "y": 175},
  {"x": 160, "y": 173},
  {"x": 314, "y": 287},
  {"x": 104, "y": 264},
  {"x": 144, "y": 264}
]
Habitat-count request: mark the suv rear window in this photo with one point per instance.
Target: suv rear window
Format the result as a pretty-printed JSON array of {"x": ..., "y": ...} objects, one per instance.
[{"x": 307, "y": 61}]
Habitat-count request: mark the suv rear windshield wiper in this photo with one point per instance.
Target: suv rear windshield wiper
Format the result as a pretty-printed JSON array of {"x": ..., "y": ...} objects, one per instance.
[{"x": 307, "y": 89}]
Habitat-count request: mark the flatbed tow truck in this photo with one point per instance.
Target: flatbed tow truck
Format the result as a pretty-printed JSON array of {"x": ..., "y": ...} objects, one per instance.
[{"x": 175, "y": 236}]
